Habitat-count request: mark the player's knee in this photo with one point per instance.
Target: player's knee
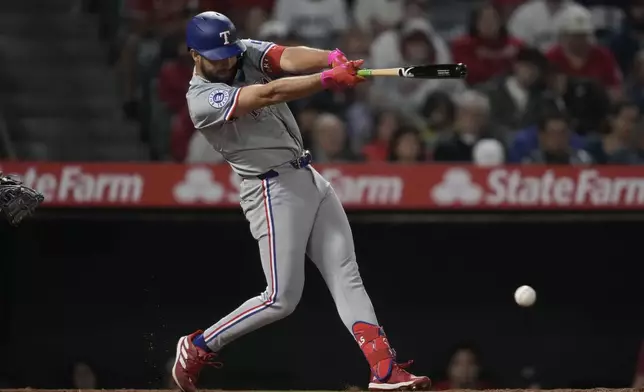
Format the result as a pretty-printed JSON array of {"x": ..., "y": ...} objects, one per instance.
[{"x": 284, "y": 305}]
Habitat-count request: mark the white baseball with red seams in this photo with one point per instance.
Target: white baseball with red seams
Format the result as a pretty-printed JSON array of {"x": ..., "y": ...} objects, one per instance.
[{"x": 525, "y": 296}]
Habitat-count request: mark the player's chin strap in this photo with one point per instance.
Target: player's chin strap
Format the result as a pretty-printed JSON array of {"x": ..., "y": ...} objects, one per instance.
[{"x": 375, "y": 346}]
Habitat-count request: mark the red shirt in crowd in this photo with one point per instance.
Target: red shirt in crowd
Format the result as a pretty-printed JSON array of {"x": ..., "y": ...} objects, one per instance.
[
  {"x": 484, "y": 58},
  {"x": 377, "y": 151},
  {"x": 182, "y": 131},
  {"x": 600, "y": 65},
  {"x": 174, "y": 78}
]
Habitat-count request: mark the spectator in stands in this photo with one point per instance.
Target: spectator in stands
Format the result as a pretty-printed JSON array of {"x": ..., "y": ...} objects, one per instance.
[
  {"x": 638, "y": 380},
  {"x": 273, "y": 31},
  {"x": 359, "y": 116},
  {"x": 463, "y": 370},
  {"x": 608, "y": 16},
  {"x": 306, "y": 118},
  {"x": 236, "y": 9},
  {"x": 618, "y": 143},
  {"x": 330, "y": 142},
  {"x": 254, "y": 18},
  {"x": 387, "y": 122},
  {"x": 175, "y": 75},
  {"x": 585, "y": 100},
  {"x": 377, "y": 16},
  {"x": 167, "y": 16},
  {"x": 83, "y": 376},
  {"x": 534, "y": 22},
  {"x": 630, "y": 39},
  {"x": 515, "y": 99},
  {"x": 182, "y": 130},
  {"x": 406, "y": 146},
  {"x": 487, "y": 49},
  {"x": 472, "y": 124},
  {"x": 439, "y": 112},
  {"x": 138, "y": 55},
  {"x": 554, "y": 143},
  {"x": 578, "y": 55},
  {"x": 415, "y": 43},
  {"x": 488, "y": 152},
  {"x": 527, "y": 140},
  {"x": 506, "y": 8},
  {"x": 635, "y": 82},
  {"x": 277, "y": 32},
  {"x": 318, "y": 22}
]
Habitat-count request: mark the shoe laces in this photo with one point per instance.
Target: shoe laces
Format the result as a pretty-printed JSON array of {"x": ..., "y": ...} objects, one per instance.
[
  {"x": 404, "y": 365},
  {"x": 205, "y": 359}
]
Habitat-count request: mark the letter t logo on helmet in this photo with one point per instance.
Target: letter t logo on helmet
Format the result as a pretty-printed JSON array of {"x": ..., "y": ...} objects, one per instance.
[
  {"x": 213, "y": 36},
  {"x": 225, "y": 35}
]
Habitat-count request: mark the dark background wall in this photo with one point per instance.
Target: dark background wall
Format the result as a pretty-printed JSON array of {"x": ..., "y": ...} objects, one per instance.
[{"x": 118, "y": 293}]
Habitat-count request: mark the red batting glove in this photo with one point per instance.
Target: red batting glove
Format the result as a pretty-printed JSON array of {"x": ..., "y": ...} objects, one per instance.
[
  {"x": 343, "y": 76},
  {"x": 336, "y": 57}
]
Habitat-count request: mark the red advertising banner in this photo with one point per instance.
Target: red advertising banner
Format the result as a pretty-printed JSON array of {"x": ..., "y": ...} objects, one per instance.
[{"x": 373, "y": 186}]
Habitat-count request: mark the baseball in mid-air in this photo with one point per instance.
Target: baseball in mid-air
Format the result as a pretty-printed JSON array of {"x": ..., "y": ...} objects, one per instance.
[{"x": 525, "y": 296}]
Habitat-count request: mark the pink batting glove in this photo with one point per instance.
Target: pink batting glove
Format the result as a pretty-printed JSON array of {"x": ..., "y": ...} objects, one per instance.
[
  {"x": 343, "y": 76},
  {"x": 336, "y": 57}
]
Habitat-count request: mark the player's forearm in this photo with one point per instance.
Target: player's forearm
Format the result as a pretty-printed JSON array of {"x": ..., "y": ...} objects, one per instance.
[
  {"x": 257, "y": 96},
  {"x": 302, "y": 60},
  {"x": 292, "y": 88}
]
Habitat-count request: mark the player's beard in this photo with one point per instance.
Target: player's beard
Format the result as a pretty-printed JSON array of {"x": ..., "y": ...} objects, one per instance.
[{"x": 226, "y": 77}]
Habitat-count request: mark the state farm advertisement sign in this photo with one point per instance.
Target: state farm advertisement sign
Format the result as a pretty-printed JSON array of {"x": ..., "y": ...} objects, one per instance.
[
  {"x": 374, "y": 186},
  {"x": 543, "y": 187}
]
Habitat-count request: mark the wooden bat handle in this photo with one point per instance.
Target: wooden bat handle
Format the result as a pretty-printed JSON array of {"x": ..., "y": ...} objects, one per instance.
[{"x": 379, "y": 72}]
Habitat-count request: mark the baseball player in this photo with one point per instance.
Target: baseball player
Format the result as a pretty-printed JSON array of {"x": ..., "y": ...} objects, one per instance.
[{"x": 237, "y": 99}]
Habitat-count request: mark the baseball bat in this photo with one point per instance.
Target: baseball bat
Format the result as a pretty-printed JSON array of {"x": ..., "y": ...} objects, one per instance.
[{"x": 430, "y": 71}]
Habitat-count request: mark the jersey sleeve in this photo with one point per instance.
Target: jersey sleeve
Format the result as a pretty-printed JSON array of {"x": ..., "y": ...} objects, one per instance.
[
  {"x": 265, "y": 56},
  {"x": 213, "y": 105}
]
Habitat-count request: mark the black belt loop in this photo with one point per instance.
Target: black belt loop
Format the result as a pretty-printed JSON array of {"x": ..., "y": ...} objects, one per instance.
[{"x": 268, "y": 174}]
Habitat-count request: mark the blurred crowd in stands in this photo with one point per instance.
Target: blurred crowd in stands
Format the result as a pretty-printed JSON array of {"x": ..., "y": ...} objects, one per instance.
[{"x": 550, "y": 81}]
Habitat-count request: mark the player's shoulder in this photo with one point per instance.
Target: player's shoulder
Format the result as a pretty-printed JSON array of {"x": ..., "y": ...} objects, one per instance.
[
  {"x": 209, "y": 95},
  {"x": 256, "y": 47}
]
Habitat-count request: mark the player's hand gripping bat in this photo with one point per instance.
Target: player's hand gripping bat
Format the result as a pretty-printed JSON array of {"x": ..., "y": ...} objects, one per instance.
[
  {"x": 17, "y": 201},
  {"x": 432, "y": 71}
]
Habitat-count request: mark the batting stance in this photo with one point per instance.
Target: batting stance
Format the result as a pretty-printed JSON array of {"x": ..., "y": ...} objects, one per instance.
[{"x": 238, "y": 102}]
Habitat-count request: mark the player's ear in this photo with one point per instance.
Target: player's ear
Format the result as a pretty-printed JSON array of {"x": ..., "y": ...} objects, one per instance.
[{"x": 195, "y": 56}]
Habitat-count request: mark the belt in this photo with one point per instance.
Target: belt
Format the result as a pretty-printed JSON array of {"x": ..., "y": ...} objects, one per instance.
[{"x": 298, "y": 163}]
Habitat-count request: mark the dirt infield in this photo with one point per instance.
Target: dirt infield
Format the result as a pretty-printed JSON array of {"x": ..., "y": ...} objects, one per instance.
[{"x": 220, "y": 390}]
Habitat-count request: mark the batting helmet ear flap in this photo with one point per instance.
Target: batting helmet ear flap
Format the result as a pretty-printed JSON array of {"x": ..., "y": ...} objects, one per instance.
[{"x": 213, "y": 36}]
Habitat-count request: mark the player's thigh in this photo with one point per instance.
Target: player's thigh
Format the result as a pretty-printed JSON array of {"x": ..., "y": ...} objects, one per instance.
[
  {"x": 331, "y": 241},
  {"x": 279, "y": 224}
]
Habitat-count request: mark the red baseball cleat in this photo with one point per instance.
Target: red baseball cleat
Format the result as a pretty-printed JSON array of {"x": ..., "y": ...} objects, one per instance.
[
  {"x": 386, "y": 373},
  {"x": 189, "y": 362},
  {"x": 400, "y": 380}
]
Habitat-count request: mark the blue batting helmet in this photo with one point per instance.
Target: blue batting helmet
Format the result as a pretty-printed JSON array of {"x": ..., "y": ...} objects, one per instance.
[{"x": 213, "y": 36}]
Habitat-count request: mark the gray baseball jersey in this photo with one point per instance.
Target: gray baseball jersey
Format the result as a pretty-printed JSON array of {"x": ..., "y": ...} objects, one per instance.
[{"x": 252, "y": 143}]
